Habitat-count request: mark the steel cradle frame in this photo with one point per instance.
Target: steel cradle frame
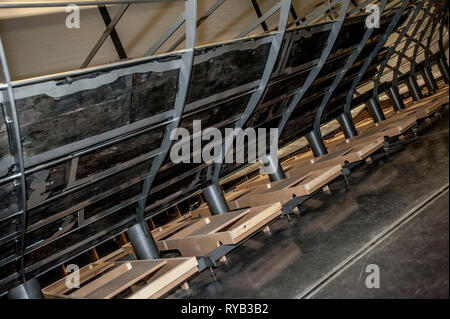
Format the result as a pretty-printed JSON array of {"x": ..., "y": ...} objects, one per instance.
[{"x": 184, "y": 61}]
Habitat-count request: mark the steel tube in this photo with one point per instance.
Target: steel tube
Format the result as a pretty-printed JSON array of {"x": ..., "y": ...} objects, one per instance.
[
  {"x": 429, "y": 80},
  {"x": 347, "y": 125},
  {"x": 276, "y": 169},
  {"x": 142, "y": 241},
  {"x": 395, "y": 98},
  {"x": 214, "y": 197},
  {"x": 28, "y": 290},
  {"x": 443, "y": 68},
  {"x": 375, "y": 110},
  {"x": 316, "y": 143},
  {"x": 414, "y": 88}
]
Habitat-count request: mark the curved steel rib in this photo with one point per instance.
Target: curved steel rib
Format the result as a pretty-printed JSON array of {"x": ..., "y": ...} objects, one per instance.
[
  {"x": 352, "y": 58},
  {"x": 408, "y": 42},
  {"x": 431, "y": 18},
  {"x": 334, "y": 32},
  {"x": 10, "y": 114},
  {"x": 394, "y": 47},
  {"x": 436, "y": 21},
  {"x": 284, "y": 8},
  {"x": 187, "y": 60},
  {"x": 373, "y": 54}
]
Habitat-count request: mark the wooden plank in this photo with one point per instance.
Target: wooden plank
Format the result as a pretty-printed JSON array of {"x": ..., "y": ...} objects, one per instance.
[
  {"x": 199, "y": 245},
  {"x": 255, "y": 228},
  {"x": 167, "y": 274},
  {"x": 345, "y": 152},
  {"x": 172, "y": 226},
  {"x": 179, "y": 270},
  {"x": 220, "y": 221},
  {"x": 60, "y": 287},
  {"x": 395, "y": 125},
  {"x": 136, "y": 272},
  {"x": 254, "y": 217},
  {"x": 318, "y": 179},
  {"x": 292, "y": 161},
  {"x": 89, "y": 271},
  {"x": 440, "y": 96},
  {"x": 297, "y": 185},
  {"x": 202, "y": 211},
  {"x": 350, "y": 152},
  {"x": 424, "y": 110},
  {"x": 113, "y": 273},
  {"x": 254, "y": 181},
  {"x": 174, "y": 283}
]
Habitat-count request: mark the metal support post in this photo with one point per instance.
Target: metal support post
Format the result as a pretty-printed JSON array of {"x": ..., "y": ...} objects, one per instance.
[
  {"x": 316, "y": 143},
  {"x": 375, "y": 110},
  {"x": 28, "y": 290},
  {"x": 414, "y": 88},
  {"x": 395, "y": 98},
  {"x": 429, "y": 80},
  {"x": 142, "y": 241},
  {"x": 347, "y": 125},
  {"x": 214, "y": 197}
]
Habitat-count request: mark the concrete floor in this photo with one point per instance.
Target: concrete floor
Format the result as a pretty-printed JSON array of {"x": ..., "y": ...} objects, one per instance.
[{"x": 395, "y": 216}]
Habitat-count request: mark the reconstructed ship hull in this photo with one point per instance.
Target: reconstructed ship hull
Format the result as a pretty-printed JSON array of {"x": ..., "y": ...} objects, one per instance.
[{"x": 90, "y": 139}]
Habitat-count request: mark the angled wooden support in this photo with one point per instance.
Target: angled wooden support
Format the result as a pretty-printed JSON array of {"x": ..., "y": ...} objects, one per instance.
[
  {"x": 169, "y": 228},
  {"x": 204, "y": 235},
  {"x": 345, "y": 152},
  {"x": 109, "y": 29},
  {"x": 259, "y": 14},
  {"x": 394, "y": 126},
  {"x": 147, "y": 279},
  {"x": 114, "y": 36},
  {"x": 302, "y": 182},
  {"x": 427, "y": 106},
  {"x": 254, "y": 181}
]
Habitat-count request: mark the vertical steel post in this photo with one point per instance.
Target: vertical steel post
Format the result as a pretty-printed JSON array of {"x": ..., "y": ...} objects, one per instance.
[
  {"x": 443, "y": 68},
  {"x": 429, "y": 80},
  {"x": 316, "y": 143},
  {"x": 28, "y": 290},
  {"x": 414, "y": 88},
  {"x": 214, "y": 197},
  {"x": 395, "y": 98},
  {"x": 144, "y": 245},
  {"x": 347, "y": 125},
  {"x": 375, "y": 110},
  {"x": 276, "y": 169}
]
